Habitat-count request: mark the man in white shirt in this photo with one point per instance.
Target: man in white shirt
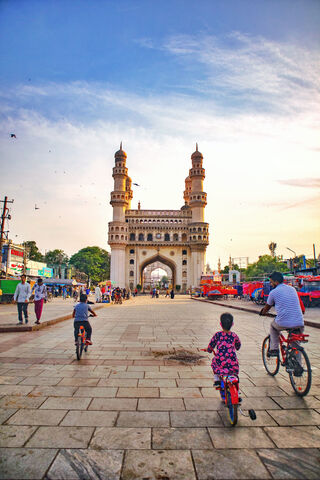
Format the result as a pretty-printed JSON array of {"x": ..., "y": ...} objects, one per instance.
[
  {"x": 289, "y": 315},
  {"x": 21, "y": 296}
]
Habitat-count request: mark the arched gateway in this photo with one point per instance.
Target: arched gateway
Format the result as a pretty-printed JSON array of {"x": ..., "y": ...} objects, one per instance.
[{"x": 176, "y": 238}]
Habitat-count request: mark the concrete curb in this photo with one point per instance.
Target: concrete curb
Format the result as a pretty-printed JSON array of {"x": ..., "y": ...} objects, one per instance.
[
  {"x": 48, "y": 323},
  {"x": 308, "y": 323}
]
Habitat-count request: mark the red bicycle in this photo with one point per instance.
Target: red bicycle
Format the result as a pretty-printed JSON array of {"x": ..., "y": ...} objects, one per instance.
[
  {"x": 229, "y": 392},
  {"x": 293, "y": 358}
]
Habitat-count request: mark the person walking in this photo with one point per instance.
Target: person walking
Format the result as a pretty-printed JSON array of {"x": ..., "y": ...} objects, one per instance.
[
  {"x": 172, "y": 294},
  {"x": 40, "y": 296},
  {"x": 75, "y": 294},
  {"x": 21, "y": 297},
  {"x": 97, "y": 292}
]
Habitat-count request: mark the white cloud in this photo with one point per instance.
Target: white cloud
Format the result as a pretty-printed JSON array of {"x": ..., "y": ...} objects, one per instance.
[{"x": 76, "y": 128}]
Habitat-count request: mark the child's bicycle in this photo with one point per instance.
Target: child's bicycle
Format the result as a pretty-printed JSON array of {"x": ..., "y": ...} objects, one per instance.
[
  {"x": 229, "y": 392},
  {"x": 81, "y": 341},
  {"x": 293, "y": 358}
]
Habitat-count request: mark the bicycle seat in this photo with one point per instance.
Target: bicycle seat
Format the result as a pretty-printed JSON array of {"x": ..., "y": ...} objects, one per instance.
[{"x": 295, "y": 330}]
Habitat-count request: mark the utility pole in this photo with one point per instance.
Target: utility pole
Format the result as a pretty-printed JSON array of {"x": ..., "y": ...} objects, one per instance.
[
  {"x": 314, "y": 255},
  {"x": 5, "y": 216}
]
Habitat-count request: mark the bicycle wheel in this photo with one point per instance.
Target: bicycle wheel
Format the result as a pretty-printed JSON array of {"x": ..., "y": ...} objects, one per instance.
[
  {"x": 232, "y": 409},
  {"x": 301, "y": 376},
  {"x": 271, "y": 364},
  {"x": 79, "y": 348}
]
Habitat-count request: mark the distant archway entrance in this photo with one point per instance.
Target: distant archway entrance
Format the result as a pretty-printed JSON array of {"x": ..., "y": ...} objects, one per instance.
[
  {"x": 157, "y": 274},
  {"x": 162, "y": 260}
]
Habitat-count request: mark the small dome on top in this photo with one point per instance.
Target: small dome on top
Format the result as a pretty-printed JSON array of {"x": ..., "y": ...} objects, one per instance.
[
  {"x": 188, "y": 179},
  {"x": 196, "y": 154},
  {"x": 120, "y": 153},
  {"x": 185, "y": 207}
]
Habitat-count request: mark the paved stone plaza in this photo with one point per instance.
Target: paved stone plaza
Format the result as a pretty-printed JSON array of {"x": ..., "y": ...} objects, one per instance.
[{"x": 125, "y": 412}]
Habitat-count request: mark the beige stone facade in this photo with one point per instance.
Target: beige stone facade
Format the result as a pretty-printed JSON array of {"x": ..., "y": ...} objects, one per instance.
[{"x": 176, "y": 238}]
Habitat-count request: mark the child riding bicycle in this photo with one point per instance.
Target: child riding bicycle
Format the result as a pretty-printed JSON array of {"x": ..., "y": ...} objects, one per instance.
[
  {"x": 80, "y": 315},
  {"x": 225, "y": 343}
]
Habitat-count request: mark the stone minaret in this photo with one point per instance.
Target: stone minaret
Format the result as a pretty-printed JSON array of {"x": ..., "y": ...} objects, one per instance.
[
  {"x": 118, "y": 230},
  {"x": 198, "y": 229},
  {"x": 187, "y": 191}
]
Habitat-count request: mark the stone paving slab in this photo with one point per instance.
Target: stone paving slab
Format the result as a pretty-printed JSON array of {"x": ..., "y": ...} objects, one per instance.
[
  {"x": 12, "y": 401},
  {"x": 84, "y": 464},
  {"x": 53, "y": 391},
  {"x": 115, "y": 438},
  {"x": 66, "y": 403},
  {"x": 229, "y": 464},
  {"x": 196, "y": 419},
  {"x": 61, "y": 437},
  {"x": 158, "y": 465},
  {"x": 113, "y": 404},
  {"x": 95, "y": 392},
  {"x": 37, "y": 417},
  {"x": 84, "y": 418},
  {"x": 15, "y": 390},
  {"x": 138, "y": 392},
  {"x": 180, "y": 438},
  {"x": 294, "y": 437},
  {"x": 25, "y": 463},
  {"x": 295, "y": 417},
  {"x": 243, "y": 437},
  {"x": 161, "y": 404},
  {"x": 9, "y": 380},
  {"x": 302, "y": 464},
  {"x": 143, "y": 419},
  {"x": 5, "y": 414},
  {"x": 13, "y": 436}
]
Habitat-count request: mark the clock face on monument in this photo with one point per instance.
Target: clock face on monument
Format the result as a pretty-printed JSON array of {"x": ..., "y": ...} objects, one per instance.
[{"x": 158, "y": 235}]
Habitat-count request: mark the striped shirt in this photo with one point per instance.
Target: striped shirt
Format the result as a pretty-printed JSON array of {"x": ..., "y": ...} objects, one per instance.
[{"x": 286, "y": 302}]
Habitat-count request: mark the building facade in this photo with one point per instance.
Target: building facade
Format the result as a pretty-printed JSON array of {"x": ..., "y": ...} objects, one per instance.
[{"x": 176, "y": 238}]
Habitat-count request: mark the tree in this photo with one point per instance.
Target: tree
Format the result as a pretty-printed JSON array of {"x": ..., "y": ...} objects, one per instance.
[
  {"x": 33, "y": 251},
  {"x": 272, "y": 247},
  {"x": 56, "y": 257},
  {"x": 265, "y": 266},
  {"x": 164, "y": 280},
  {"x": 94, "y": 261}
]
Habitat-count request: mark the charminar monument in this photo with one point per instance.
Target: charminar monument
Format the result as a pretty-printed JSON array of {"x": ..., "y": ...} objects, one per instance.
[{"x": 174, "y": 238}]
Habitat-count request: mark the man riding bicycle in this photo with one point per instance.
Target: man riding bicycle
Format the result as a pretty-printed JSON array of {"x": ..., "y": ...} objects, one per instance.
[{"x": 287, "y": 305}]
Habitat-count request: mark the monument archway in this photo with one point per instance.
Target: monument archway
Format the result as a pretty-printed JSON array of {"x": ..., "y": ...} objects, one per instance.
[
  {"x": 139, "y": 237},
  {"x": 158, "y": 258}
]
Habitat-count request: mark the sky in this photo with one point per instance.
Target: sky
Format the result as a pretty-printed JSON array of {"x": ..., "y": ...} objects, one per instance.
[{"x": 241, "y": 78}]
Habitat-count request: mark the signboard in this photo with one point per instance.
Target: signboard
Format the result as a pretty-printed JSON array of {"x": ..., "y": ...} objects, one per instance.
[{"x": 15, "y": 268}]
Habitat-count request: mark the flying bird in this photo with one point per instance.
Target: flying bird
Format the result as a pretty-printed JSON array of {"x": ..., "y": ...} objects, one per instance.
[
  {"x": 136, "y": 184},
  {"x": 36, "y": 208},
  {"x": 13, "y": 135}
]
